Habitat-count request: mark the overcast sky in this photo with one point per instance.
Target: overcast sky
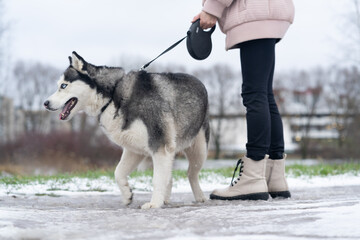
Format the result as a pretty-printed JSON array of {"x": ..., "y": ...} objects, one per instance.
[{"x": 108, "y": 30}]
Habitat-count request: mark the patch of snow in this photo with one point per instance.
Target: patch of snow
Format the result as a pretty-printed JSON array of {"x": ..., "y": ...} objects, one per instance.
[
  {"x": 335, "y": 222},
  {"x": 208, "y": 182},
  {"x": 319, "y": 181}
]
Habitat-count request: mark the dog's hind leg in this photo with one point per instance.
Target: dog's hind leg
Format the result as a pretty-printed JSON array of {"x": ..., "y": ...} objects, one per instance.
[
  {"x": 129, "y": 161},
  {"x": 163, "y": 161},
  {"x": 196, "y": 154}
]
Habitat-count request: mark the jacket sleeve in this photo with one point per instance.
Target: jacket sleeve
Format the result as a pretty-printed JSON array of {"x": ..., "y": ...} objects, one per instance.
[{"x": 216, "y": 7}]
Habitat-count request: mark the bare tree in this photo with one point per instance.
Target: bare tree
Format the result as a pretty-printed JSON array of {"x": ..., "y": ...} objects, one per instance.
[
  {"x": 224, "y": 98},
  {"x": 308, "y": 92},
  {"x": 337, "y": 102},
  {"x": 345, "y": 104},
  {"x": 345, "y": 85},
  {"x": 34, "y": 83}
]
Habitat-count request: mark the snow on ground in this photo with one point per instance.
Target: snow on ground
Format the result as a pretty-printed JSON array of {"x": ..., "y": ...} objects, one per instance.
[
  {"x": 80, "y": 208},
  {"x": 208, "y": 181},
  {"x": 311, "y": 213},
  {"x": 143, "y": 184}
]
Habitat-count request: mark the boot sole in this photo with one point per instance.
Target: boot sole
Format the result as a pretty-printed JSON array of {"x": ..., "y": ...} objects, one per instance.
[
  {"x": 282, "y": 194},
  {"x": 252, "y": 196}
]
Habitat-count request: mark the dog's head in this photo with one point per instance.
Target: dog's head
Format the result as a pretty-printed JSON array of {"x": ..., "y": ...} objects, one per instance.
[{"x": 75, "y": 88}]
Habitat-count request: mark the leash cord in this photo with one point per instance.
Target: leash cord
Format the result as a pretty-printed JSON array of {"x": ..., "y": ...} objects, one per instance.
[{"x": 168, "y": 49}]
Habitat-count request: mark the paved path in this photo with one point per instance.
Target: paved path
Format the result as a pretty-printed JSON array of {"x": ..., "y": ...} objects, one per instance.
[{"x": 312, "y": 213}]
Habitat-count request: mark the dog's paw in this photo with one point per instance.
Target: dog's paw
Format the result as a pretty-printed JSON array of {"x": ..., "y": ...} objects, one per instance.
[
  {"x": 201, "y": 199},
  {"x": 167, "y": 199},
  {"x": 150, "y": 205},
  {"x": 127, "y": 200}
]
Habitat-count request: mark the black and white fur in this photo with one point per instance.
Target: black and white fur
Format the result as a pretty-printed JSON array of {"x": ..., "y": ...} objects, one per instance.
[{"x": 151, "y": 115}]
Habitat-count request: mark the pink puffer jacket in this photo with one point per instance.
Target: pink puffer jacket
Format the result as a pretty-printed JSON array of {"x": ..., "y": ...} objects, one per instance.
[{"x": 244, "y": 20}]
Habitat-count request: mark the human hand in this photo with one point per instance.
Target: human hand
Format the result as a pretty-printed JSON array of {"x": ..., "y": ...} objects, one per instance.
[{"x": 206, "y": 20}]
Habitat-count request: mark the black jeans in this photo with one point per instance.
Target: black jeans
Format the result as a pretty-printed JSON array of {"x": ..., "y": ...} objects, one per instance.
[{"x": 264, "y": 124}]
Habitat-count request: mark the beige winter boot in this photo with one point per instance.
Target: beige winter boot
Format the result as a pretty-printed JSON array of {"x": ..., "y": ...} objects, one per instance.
[
  {"x": 250, "y": 185},
  {"x": 275, "y": 178}
]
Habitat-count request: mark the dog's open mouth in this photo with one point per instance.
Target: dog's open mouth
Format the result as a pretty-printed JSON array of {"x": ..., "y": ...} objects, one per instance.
[{"x": 69, "y": 105}]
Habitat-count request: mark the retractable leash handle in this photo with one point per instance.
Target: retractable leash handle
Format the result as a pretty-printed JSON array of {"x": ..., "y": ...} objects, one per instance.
[{"x": 198, "y": 43}]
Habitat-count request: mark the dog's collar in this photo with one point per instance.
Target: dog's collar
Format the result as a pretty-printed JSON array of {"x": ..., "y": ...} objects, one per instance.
[
  {"x": 104, "y": 108},
  {"x": 108, "y": 103}
]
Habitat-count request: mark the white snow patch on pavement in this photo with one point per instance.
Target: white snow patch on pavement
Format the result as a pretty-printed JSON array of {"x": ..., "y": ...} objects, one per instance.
[
  {"x": 335, "y": 222},
  {"x": 320, "y": 181},
  {"x": 208, "y": 182}
]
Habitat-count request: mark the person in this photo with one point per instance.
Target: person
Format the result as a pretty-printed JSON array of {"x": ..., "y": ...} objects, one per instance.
[{"x": 254, "y": 27}]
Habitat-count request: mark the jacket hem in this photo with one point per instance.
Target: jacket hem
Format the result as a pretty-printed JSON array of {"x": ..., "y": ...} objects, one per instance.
[{"x": 255, "y": 30}]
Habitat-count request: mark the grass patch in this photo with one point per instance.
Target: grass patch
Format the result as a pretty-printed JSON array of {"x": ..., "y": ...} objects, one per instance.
[
  {"x": 56, "y": 189},
  {"x": 295, "y": 170},
  {"x": 298, "y": 170},
  {"x": 93, "y": 190},
  {"x": 136, "y": 174},
  {"x": 323, "y": 170},
  {"x": 62, "y": 178},
  {"x": 226, "y": 172},
  {"x": 47, "y": 194}
]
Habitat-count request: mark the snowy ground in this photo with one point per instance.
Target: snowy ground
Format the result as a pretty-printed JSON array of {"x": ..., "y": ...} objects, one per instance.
[{"x": 320, "y": 208}]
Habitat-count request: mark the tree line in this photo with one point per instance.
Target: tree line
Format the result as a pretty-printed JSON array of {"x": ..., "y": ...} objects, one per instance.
[{"x": 333, "y": 91}]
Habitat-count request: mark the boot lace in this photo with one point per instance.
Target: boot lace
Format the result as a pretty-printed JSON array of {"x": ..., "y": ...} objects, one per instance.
[{"x": 240, "y": 163}]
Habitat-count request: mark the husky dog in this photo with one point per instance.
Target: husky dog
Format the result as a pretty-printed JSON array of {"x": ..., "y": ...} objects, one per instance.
[{"x": 150, "y": 115}]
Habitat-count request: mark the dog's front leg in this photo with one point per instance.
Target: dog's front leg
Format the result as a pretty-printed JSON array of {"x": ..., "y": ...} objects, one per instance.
[
  {"x": 129, "y": 161},
  {"x": 162, "y": 176},
  {"x": 168, "y": 191}
]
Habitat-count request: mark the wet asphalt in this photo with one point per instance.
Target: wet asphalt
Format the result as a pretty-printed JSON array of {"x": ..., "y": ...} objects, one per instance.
[{"x": 311, "y": 213}]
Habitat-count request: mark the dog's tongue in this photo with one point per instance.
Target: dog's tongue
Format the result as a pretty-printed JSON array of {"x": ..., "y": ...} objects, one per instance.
[{"x": 66, "y": 111}]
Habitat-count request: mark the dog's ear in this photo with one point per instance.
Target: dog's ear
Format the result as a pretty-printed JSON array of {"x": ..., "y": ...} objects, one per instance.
[{"x": 77, "y": 62}]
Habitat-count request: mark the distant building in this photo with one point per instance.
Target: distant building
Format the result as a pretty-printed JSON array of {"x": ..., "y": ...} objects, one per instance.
[
  {"x": 16, "y": 121},
  {"x": 234, "y": 136},
  {"x": 310, "y": 115},
  {"x": 305, "y": 113}
]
